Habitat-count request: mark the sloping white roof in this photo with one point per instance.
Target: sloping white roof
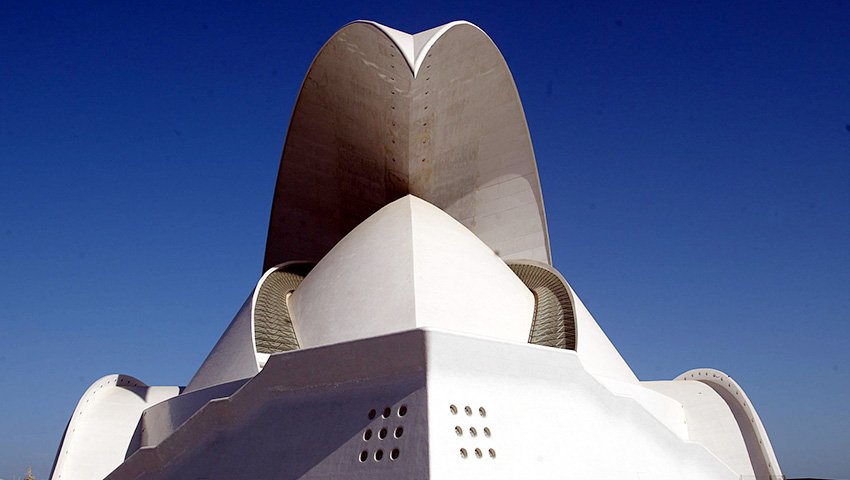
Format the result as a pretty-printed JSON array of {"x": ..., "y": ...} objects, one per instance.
[{"x": 410, "y": 265}]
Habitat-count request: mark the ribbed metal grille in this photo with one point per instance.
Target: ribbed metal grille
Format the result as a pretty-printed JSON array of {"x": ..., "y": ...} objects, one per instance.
[
  {"x": 554, "y": 323},
  {"x": 273, "y": 330}
]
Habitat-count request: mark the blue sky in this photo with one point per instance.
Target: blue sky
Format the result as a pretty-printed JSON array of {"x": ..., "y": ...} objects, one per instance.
[{"x": 695, "y": 163}]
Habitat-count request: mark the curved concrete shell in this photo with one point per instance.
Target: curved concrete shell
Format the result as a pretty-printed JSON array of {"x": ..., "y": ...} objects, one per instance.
[
  {"x": 410, "y": 265},
  {"x": 383, "y": 114},
  {"x": 760, "y": 454},
  {"x": 103, "y": 424}
]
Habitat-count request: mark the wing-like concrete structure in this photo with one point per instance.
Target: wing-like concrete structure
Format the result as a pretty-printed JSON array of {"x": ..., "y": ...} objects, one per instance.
[
  {"x": 409, "y": 322},
  {"x": 383, "y": 114}
]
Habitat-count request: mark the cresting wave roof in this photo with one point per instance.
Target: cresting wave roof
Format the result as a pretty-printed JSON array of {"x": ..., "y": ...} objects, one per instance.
[{"x": 382, "y": 114}]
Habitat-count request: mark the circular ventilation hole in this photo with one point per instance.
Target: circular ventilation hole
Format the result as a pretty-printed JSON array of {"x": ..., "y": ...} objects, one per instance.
[
  {"x": 387, "y": 412},
  {"x": 492, "y": 453},
  {"x": 372, "y": 414},
  {"x": 382, "y": 434},
  {"x": 379, "y": 455},
  {"x": 398, "y": 432},
  {"x": 473, "y": 432},
  {"x": 394, "y": 454},
  {"x": 402, "y": 410},
  {"x": 459, "y": 431},
  {"x": 463, "y": 453},
  {"x": 364, "y": 455},
  {"x": 468, "y": 410},
  {"x": 486, "y": 431},
  {"x": 367, "y": 434},
  {"x": 453, "y": 409},
  {"x": 478, "y": 453},
  {"x": 482, "y": 412}
]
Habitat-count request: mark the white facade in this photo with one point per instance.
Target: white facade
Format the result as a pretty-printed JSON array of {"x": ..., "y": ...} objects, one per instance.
[{"x": 409, "y": 323}]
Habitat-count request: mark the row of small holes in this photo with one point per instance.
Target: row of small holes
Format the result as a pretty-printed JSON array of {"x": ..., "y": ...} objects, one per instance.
[
  {"x": 402, "y": 411},
  {"x": 379, "y": 455},
  {"x": 468, "y": 410},
  {"x": 426, "y": 106},
  {"x": 382, "y": 433},
  {"x": 472, "y": 431},
  {"x": 478, "y": 453}
]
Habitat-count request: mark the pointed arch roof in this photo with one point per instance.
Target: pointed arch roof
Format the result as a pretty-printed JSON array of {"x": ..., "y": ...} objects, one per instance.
[{"x": 383, "y": 114}]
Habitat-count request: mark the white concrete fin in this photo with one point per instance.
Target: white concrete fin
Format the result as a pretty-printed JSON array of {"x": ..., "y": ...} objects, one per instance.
[
  {"x": 762, "y": 455},
  {"x": 233, "y": 357},
  {"x": 103, "y": 424},
  {"x": 598, "y": 355}
]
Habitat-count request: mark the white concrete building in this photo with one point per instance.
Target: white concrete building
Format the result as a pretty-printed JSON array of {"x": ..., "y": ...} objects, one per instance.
[{"x": 409, "y": 324}]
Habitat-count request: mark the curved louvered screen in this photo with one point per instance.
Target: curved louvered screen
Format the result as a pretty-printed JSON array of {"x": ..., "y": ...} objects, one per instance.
[
  {"x": 273, "y": 330},
  {"x": 554, "y": 323}
]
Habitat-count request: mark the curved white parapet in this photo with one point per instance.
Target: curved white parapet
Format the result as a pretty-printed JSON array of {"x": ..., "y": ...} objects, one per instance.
[
  {"x": 410, "y": 265},
  {"x": 233, "y": 357},
  {"x": 758, "y": 447},
  {"x": 261, "y": 327},
  {"x": 102, "y": 426},
  {"x": 365, "y": 131},
  {"x": 595, "y": 350}
]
